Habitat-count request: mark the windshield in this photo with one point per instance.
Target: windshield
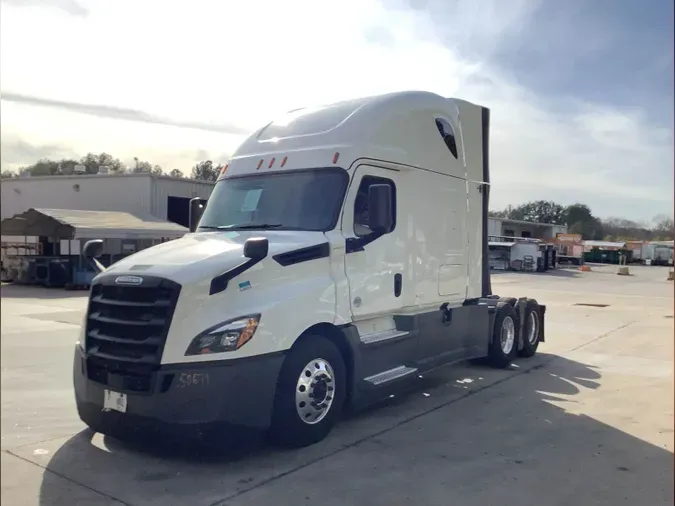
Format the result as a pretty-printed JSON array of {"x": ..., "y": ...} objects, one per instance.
[{"x": 291, "y": 200}]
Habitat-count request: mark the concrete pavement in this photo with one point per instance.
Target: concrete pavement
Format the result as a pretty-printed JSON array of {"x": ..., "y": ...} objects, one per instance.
[{"x": 588, "y": 421}]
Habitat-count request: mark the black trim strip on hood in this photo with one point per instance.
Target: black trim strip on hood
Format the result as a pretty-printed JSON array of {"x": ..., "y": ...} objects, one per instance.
[
  {"x": 303, "y": 254},
  {"x": 219, "y": 283}
]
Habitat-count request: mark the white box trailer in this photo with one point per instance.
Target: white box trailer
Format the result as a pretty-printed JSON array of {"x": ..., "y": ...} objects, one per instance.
[
  {"x": 516, "y": 253},
  {"x": 342, "y": 252},
  {"x": 637, "y": 248},
  {"x": 658, "y": 253}
]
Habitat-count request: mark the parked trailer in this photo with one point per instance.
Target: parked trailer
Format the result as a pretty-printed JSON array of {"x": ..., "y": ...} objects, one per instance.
[
  {"x": 517, "y": 253},
  {"x": 658, "y": 253},
  {"x": 343, "y": 252},
  {"x": 569, "y": 248},
  {"x": 636, "y": 248}
]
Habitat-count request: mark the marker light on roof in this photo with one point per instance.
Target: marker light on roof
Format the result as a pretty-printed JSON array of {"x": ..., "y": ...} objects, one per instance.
[
  {"x": 271, "y": 163},
  {"x": 283, "y": 160},
  {"x": 259, "y": 164},
  {"x": 224, "y": 169},
  {"x": 336, "y": 156}
]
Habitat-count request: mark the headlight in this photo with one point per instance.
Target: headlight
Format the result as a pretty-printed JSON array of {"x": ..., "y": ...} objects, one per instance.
[{"x": 227, "y": 336}]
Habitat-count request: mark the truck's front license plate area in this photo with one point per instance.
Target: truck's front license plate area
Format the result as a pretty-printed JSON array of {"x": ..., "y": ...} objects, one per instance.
[{"x": 114, "y": 401}]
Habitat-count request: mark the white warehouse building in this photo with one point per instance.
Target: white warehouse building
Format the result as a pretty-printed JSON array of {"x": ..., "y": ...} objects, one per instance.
[
  {"x": 163, "y": 197},
  {"x": 129, "y": 211}
]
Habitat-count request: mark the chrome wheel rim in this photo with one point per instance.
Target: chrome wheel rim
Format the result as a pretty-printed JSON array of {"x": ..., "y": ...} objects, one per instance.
[
  {"x": 508, "y": 335},
  {"x": 315, "y": 391},
  {"x": 533, "y": 333}
]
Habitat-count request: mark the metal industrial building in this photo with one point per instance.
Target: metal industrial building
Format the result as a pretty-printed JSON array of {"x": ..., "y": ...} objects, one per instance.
[
  {"x": 504, "y": 227},
  {"x": 163, "y": 197},
  {"x": 43, "y": 223}
]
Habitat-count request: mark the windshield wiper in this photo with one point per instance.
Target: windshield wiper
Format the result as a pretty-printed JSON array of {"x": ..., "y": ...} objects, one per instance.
[{"x": 245, "y": 226}]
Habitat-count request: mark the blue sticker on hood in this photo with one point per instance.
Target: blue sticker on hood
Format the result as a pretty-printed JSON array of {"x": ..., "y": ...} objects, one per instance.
[{"x": 244, "y": 285}]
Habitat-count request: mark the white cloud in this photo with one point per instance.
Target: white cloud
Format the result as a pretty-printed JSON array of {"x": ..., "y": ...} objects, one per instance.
[{"x": 243, "y": 63}]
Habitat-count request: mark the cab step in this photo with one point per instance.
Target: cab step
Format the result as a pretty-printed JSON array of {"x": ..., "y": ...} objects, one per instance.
[
  {"x": 390, "y": 375},
  {"x": 385, "y": 335}
]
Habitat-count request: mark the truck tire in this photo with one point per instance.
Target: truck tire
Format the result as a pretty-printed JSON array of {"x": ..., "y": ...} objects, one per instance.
[
  {"x": 310, "y": 393},
  {"x": 504, "y": 342},
  {"x": 531, "y": 329}
]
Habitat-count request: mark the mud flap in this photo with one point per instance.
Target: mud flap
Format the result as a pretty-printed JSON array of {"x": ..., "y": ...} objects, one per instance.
[
  {"x": 542, "y": 325},
  {"x": 520, "y": 308}
]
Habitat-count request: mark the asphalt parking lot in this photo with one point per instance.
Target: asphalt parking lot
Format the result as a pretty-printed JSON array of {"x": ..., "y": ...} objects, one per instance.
[{"x": 588, "y": 421}]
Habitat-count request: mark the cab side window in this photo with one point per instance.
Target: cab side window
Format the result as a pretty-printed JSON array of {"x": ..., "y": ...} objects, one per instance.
[
  {"x": 361, "y": 203},
  {"x": 447, "y": 134}
]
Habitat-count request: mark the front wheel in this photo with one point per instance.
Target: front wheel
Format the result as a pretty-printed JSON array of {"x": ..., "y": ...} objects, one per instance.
[{"x": 310, "y": 393}]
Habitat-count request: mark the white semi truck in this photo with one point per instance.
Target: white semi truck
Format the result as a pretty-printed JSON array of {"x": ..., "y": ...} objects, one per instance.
[{"x": 342, "y": 253}]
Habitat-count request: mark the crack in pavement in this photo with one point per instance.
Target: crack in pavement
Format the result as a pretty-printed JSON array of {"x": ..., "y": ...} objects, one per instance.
[
  {"x": 601, "y": 336},
  {"x": 8, "y": 450}
]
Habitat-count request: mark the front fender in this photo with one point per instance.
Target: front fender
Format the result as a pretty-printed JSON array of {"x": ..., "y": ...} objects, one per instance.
[{"x": 287, "y": 308}]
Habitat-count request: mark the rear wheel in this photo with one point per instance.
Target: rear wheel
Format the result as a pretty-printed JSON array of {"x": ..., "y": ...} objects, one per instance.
[
  {"x": 310, "y": 393},
  {"x": 531, "y": 329},
  {"x": 504, "y": 344}
]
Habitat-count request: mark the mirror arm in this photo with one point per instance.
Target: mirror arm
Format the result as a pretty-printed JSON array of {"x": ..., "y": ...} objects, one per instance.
[
  {"x": 98, "y": 266},
  {"x": 359, "y": 243}
]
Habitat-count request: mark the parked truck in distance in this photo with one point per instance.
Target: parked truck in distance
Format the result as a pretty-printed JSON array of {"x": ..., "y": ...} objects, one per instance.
[{"x": 343, "y": 252}]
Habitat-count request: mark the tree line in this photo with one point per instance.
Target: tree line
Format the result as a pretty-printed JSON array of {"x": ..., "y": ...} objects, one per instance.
[
  {"x": 92, "y": 162},
  {"x": 580, "y": 220}
]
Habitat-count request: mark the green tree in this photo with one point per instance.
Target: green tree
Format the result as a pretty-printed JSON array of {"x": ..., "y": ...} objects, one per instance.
[
  {"x": 539, "y": 211},
  {"x": 92, "y": 162},
  {"x": 580, "y": 220},
  {"x": 500, "y": 214},
  {"x": 43, "y": 167},
  {"x": 206, "y": 171},
  {"x": 67, "y": 166},
  {"x": 591, "y": 229},
  {"x": 143, "y": 167},
  {"x": 577, "y": 213},
  {"x": 176, "y": 173},
  {"x": 8, "y": 174}
]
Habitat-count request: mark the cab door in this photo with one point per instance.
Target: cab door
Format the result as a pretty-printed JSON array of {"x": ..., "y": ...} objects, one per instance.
[{"x": 374, "y": 265}]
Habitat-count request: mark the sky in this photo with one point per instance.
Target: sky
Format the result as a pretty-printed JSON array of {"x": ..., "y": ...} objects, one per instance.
[{"x": 581, "y": 92}]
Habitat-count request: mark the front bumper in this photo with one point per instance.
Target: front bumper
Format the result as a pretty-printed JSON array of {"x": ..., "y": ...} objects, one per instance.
[{"x": 182, "y": 397}]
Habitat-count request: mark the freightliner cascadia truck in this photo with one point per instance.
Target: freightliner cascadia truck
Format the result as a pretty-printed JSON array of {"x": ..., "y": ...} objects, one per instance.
[{"x": 342, "y": 253}]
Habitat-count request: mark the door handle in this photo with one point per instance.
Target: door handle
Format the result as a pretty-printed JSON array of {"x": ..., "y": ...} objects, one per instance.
[{"x": 398, "y": 284}]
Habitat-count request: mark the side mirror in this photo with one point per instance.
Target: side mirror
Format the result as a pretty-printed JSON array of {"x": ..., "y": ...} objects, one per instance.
[
  {"x": 196, "y": 211},
  {"x": 93, "y": 249},
  {"x": 256, "y": 248},
  {"x": 380, "y": 208}
]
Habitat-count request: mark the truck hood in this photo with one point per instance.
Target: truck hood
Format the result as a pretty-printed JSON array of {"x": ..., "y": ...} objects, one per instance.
[{"x": 195, "y": 257}]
